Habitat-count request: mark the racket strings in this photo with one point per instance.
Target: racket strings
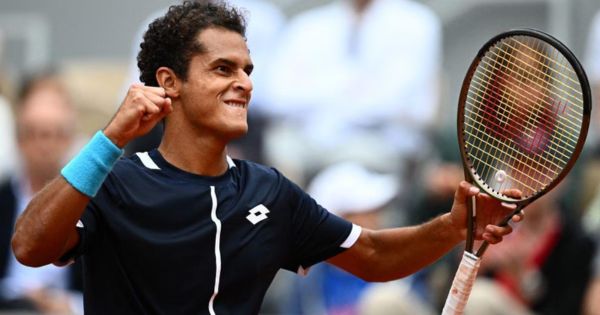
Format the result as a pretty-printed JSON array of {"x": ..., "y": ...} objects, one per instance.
[
  {"x": 512, "y": 149},
  {"x": 555, "y": 61},
  {"x": 492, "y": 163},
  {"x": 547, "y": 117},
  {"x": 522, "y": 76},
  {"x": 529, "y": 128},
  {"x": 513, "y": 133},
  {"x": 502, "y": 67},
  {"x": 542, "y": 52},
  {"x": 511, "y": 128},
  {"x": 506, "y": 115},
  {"x": 519, "y": 88},
  {"x": 528, "y": 175},
  {"x": 555, "y": 90},
  {"x": 529, "y": 125},
  {"x": 502, "y": 162}
]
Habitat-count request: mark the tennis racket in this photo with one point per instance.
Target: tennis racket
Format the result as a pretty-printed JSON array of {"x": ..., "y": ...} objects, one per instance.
[{"x": 523, "y": 116}]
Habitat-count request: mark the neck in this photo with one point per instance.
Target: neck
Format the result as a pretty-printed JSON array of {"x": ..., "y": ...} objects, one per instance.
[{"x": 201, "y": 155}]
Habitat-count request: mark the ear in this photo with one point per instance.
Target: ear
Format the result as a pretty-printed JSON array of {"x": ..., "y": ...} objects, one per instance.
[{"x": 168, "y": 80}]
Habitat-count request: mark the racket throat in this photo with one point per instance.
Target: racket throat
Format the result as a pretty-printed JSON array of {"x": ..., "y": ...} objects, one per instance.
[{"x": 471, "y": 224}]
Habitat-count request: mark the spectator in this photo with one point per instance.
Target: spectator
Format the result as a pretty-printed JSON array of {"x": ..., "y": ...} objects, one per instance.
[
  {"x": 593, "y": 71},
  {"x": 592, "y": 302},
  {"x": 7, "y": 142},
  {"x": 545, "y": 266},
  {"x": 352, "y": 78},
  {"x": 359, "y": 195},
  {"x": 45, "y": 126}
]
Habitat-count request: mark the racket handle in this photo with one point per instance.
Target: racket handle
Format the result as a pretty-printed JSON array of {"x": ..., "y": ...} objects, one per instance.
[
  {"x": 462, "y": 284},
  {"x": 482, "y": 248}
]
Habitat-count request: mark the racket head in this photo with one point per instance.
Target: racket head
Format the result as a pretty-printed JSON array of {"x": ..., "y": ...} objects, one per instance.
[{"x": 523, "y": 114}]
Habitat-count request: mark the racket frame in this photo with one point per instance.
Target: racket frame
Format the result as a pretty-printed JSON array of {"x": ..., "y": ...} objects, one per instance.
[
  {"x": 470, "y": 174},
  {"x": 467, "y": 272}
]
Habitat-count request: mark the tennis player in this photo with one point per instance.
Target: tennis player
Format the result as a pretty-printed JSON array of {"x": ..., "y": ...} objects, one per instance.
[{"x": 185, "y": 229}]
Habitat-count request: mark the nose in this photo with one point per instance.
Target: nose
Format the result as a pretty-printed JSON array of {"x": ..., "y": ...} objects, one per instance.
[{"x": 243, "y": 82}]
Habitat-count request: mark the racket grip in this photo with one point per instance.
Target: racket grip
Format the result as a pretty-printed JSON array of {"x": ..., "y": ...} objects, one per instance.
[{"x": 462, "y": 284}]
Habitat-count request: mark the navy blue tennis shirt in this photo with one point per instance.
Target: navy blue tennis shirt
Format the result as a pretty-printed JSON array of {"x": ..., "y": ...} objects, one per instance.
[{"x": 159, "y": 240}]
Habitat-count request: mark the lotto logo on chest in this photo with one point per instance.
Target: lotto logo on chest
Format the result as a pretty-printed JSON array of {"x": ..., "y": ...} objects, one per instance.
[{"x": 257, "y": 214}]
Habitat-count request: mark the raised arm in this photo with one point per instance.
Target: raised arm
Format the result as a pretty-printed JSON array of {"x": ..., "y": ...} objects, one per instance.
[
  {"x": 47, "y": 228},
  {"x": 391, "y": 254}
]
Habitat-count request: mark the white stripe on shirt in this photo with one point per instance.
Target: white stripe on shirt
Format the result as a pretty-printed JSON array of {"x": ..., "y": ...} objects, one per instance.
[
  {"x": 147, "y": 160},
  {"x": 353, "y": 237},
  {"x": 213, "y": 216}
]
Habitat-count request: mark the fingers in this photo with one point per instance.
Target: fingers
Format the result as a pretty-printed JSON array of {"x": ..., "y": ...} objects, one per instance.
[
  {"x": 156, "y": 99},
  {"x": 490, "y": 213},
  {"x": 148, "y": 107},
  {"x": 465, "y": 190},
  {"x": 509, "y": 206},
  {"x": 165, "y": 109},
  {"x": 519, "y": 216},
  {"x": 155, "y": 94},
  {"x": 491, "y": 238},
  {"x": 512, "y": 193},
  {"x": 157, "y": 90},
  {"x": 493, "y": 234},
  {"x": 141, "y": 109},
  {"x": 168, "y": 106},
  {"x": 148, "y": 101}
]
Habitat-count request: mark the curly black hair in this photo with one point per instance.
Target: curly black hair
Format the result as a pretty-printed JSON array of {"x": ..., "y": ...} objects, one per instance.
[{"x": 170, "y": 41}]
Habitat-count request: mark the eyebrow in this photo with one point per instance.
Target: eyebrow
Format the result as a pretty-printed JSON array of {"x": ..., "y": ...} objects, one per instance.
[{"x": 247, "y": 68}]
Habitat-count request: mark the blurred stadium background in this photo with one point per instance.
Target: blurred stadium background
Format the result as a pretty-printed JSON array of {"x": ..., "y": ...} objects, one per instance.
[
  {"x": 92, "y": 40},
  {"x": 92, "y": 43}
]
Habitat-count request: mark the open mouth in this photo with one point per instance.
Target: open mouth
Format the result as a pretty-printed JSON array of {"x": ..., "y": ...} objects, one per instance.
[{"x": 236, "y": 104}]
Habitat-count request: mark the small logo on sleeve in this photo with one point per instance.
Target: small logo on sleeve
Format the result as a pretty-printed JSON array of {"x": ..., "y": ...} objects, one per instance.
[{"x": 257, "y": 214}]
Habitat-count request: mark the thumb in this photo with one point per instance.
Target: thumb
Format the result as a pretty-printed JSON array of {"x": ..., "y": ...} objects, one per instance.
[
  {"x": 168, "y": 105},
  {"x": 464, "y": 191},
  {"x": 166, "y": 109}
]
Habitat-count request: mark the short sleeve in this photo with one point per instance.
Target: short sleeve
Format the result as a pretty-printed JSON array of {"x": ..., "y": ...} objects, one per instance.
[{"x": 316, "y": 233}]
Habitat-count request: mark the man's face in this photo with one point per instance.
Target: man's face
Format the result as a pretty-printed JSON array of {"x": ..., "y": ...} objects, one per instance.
[
  {"x": 45, "y": 131},
  {"x": 217, "y": 91}
]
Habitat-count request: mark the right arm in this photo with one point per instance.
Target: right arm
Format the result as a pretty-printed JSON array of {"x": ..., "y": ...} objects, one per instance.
[
  {"x": 390, "y": 254},
  {"x": 46, "y": 230}
]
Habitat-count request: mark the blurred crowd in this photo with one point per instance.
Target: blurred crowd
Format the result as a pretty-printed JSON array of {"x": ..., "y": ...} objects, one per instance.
[{"x": 355, "y": 116}]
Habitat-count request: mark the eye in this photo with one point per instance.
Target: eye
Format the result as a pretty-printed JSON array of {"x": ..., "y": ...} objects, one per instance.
[
  {"x": 248, "y": 69},
  {"x": 223, "y": 69}
]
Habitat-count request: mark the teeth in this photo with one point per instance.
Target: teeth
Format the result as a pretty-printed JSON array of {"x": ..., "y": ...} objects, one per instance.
[{"x": 236, "y": 104}]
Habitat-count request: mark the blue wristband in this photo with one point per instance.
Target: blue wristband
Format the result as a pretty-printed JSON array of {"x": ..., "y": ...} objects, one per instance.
[{"x": 87, "y": 171}]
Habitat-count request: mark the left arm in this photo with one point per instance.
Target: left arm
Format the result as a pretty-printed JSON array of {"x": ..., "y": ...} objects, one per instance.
[
  {"x": 383, "y": 255},
  {"x": 395, "y": 253}
]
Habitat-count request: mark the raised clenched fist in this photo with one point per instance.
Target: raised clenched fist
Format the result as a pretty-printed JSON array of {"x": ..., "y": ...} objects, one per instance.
[{"x": 142, "y": 109}]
